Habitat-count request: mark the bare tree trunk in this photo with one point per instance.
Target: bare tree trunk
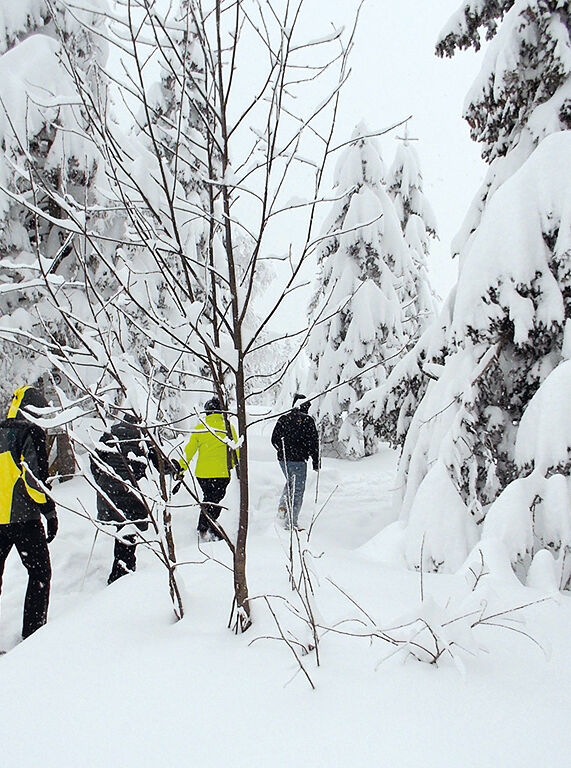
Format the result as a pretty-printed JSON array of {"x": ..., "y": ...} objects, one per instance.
[
  {"x": 243, "y": 619},
  {"x": 64, "y": 463},
  {"x": 65, "y": 457}
]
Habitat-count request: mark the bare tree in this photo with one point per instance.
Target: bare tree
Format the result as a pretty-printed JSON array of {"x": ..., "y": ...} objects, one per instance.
[{"x": 200, "y": 181}]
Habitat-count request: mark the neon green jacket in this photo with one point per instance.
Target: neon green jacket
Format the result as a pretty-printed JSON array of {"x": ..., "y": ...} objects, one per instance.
[{"x": 208, "y": 439}]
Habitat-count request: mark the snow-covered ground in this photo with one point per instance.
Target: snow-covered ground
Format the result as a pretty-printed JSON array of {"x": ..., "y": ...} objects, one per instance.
[{"x": 113, "y": 680}]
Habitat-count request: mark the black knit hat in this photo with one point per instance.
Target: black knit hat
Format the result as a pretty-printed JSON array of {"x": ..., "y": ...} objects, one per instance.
[
  {"x": 300, "y": 401},
  {"x": 213, "y": 406}
]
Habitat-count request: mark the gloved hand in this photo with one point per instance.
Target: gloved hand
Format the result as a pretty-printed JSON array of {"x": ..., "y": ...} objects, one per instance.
[
  {"x": 52, "y": 526},
  {"x": 315, "y": 467}
]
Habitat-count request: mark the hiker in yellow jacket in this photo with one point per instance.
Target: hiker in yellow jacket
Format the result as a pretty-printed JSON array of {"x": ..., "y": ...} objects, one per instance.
[
  {"x": 23, "y": 478},
  {"x": 215, "y": 460}
]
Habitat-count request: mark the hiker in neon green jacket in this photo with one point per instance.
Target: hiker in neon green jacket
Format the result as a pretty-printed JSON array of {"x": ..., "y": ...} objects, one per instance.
[{"x": 215, "y": 460}]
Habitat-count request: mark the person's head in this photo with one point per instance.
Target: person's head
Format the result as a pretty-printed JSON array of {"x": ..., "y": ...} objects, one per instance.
[
  {"x": 23, "y": 398},
  {"x": 212, "y": 406},
  {"x": 300, "y": 401}
]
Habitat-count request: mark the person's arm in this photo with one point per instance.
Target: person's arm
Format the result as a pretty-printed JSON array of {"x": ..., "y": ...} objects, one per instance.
[
  {"x": 277, "y": 436},
  {"x": 189, "y": 451},
  {"x": 236, "y": 451},
  {"x": 101, "y": 469},
  {"x": 160, "y": 461},
  {"x": 313, "y": 443},
  {"x": 35, "y": 458},
  {"x": 137, "y": 464}
]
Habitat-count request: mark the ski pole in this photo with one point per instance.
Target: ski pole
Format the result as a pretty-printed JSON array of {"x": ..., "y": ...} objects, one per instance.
[
  {"x": 89, "y": 559},
  {"x": 318, "y": 465}
]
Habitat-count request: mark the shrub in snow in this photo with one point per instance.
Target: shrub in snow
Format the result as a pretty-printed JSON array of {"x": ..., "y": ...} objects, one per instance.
[
  {"x": 457, "y": 402},
  {"x": 437, "y": 631},
  {"x": 357, "y": 321}
]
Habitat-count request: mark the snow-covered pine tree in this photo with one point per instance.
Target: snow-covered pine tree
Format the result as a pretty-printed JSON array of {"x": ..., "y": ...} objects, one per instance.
[
  {"x": 520, "y": 95},
  {"x": 501, "y": 333},
  {"x": 405, "y": 187},
  {"x": 390, "y": 407},
  {"x": 46, "y": 159},
  {"x": 532, "y": 514},
  {"x": 357, "y": 323}
]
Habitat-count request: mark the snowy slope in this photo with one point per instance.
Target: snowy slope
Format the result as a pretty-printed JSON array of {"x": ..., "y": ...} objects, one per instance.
[{"x": 113, "y": 680}]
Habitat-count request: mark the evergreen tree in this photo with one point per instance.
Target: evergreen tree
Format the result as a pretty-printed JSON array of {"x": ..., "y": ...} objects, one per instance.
[
  {"x": 520, "y": 95},
  {"x": 405, "y": 187},
  {"x": 47, "y": 159},
  {"x": 472, "y": 377},
  {"x": 356, "y": 313}
]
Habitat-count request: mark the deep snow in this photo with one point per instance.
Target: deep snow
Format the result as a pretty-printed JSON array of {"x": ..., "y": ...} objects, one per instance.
[{"x": 113, "y": 680}]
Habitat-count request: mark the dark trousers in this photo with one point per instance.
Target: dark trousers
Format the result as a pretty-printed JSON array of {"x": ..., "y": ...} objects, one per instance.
[
  {"x": 30, "y": 540},
  {"x": 213, "y": 491},
  {"x": 124, "y": 556}
]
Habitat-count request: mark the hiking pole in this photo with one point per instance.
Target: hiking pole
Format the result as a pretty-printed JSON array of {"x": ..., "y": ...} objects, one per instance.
[{"x": 89, "y": 559}]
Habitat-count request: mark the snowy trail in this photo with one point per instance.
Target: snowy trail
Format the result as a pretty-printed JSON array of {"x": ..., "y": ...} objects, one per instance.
[
  {"x": 360, "y": 504},
  {"x": 113, "y": 680}
]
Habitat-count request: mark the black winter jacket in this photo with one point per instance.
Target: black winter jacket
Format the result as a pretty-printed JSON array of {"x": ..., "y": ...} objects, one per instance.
[
  {"x": 124, "y": 451},
  {"x": 295, "y": 437},
  {"x": 23, "y": 460}
]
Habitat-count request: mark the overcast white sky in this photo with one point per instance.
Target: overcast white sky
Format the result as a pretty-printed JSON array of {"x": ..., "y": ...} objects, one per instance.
[{"x": 395, "y": 73}]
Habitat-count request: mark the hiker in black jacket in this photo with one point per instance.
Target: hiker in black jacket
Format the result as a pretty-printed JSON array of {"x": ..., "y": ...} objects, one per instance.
[
  {"x": 23, "y": 478},
  {"x": 119, "y": 463},
  {"x": 295, "y": 440}
]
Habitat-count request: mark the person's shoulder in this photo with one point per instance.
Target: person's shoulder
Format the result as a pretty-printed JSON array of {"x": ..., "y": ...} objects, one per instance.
[
  {"x": 34, "y": 431},
  {"x": 107, "y": 442},
  {"x": 15, "y": 424},
  {"x": 123, "y": 430}
]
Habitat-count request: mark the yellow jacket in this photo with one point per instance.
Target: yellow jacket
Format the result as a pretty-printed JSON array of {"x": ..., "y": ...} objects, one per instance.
[
  {"x": 23, "y": 462},
  {"x": 208, "y": 439}
]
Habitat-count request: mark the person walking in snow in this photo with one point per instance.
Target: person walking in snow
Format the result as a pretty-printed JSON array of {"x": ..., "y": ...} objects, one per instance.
[
  {"x": 295, "y": 440},
  {"x": 215, "y": 460},
  {"x": 119, "y": 462},
  {"x": 23, "y": 480}
]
